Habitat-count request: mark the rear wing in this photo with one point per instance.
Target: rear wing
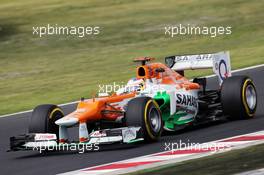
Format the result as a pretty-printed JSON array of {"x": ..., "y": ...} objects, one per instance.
[{"x": 220, "y": 62}]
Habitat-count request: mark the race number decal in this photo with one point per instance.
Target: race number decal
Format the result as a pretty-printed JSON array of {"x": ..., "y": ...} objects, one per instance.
[
  {"x": 222, "y": 69},
  {"x": 222, "y": 66}
]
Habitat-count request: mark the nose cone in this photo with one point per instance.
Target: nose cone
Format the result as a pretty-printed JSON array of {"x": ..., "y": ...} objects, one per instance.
[{"x": 67, "y": 121}]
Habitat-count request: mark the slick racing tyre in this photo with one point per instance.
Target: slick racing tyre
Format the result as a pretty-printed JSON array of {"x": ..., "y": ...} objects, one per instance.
[
  {"x": 145, "y": 112},
  {"x": 239, "y": 97},
  {"x": 43, "y": 119}
]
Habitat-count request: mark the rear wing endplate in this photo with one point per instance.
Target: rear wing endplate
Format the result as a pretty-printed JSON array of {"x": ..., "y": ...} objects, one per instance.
[{"x": 220, "y": 62}]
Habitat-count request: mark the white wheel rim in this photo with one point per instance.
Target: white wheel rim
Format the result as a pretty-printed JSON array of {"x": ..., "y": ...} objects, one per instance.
[
  {"x": 155, "y": 119},
  {"x": 251, "y": 97}
]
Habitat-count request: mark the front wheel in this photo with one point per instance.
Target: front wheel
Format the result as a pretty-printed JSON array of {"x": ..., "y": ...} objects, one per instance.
[
  {"x": 145, "y": 112},
  {"x": 43, "y": 119},
  {"x": 239, "y": 97}
]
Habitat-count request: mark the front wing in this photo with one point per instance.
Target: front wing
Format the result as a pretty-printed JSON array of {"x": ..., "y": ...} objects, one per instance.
[{"x": 48, "y": 142}]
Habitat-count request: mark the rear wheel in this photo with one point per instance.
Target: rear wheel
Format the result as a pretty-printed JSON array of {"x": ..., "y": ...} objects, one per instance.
[
  {"x": 43, "y": 119},
  {"x": 144, "y": 112},
  {"x": 239, "y": 97}
]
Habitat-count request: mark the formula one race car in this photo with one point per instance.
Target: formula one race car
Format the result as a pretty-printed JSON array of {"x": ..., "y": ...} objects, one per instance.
[{"x": 159, "y": 98}]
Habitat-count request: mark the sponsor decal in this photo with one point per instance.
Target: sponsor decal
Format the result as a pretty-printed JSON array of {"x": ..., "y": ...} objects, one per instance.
[
  {"x": 222, "y": 68},
  {"x": 39, "y": 137},
  {"x": 200, "y": 57},
  {"x": 129, "y": 134},
  {"x": 204, "y": 57},
  {"x": 181, "y": 58},
  {"x": 187, "y": 100},
  {"x": 98, "y": 134}
]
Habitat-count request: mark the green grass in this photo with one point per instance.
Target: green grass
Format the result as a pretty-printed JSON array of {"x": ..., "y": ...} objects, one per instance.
[
  {"x": 57, "y": 69},
  {"x": 232, "y": 162}
]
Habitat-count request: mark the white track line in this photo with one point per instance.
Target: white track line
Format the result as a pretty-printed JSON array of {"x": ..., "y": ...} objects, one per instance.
[
  {"x": 23, "y": 112},
  {"x": 254, "y": 172},
  {"x": 232, "y": 145},
  {"x": 65, "y": 104},
  {"x": 239, "y": 70}
]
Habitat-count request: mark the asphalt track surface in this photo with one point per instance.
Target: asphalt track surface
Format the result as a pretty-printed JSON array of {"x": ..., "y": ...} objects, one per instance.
[{"x": 27, "y": 162}]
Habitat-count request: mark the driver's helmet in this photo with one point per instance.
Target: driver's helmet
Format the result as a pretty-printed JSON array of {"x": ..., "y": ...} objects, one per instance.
[{"x": 135, "y": 84}]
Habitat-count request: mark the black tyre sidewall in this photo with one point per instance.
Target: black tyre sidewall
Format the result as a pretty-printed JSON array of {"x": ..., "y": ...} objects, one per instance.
[
  {"x": 43, "y": 119},
  {"x": 137, "y": 115},
  {"x": 233, "y": 97}
]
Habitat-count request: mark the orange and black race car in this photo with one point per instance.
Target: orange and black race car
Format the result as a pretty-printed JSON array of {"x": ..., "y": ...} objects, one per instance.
[{"x": 158, "y": 98}]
